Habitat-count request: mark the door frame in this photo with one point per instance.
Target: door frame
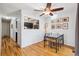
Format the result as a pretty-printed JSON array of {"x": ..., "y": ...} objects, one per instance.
[{"x": 0, "y": 35}]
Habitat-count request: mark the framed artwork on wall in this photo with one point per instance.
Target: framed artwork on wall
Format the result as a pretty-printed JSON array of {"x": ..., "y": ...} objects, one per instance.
[
  {"x": 65, "y": 26},
  {"x": 53, "y": 26},
  {"x": 58, "y": 20},
  {"x": 45, "y": 25},
  {"x": 31, "y": 23},
  {"x": 36, "y": 24},
  {"x": 52, "y": 21},
  {"x": 65, "y": 19},
  {"x": 58, "y": 26},
  {"x": 60, "y": 23}
]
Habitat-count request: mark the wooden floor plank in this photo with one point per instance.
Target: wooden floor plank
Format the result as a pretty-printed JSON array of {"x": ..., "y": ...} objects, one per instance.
[{"x": 10, "y": 48}]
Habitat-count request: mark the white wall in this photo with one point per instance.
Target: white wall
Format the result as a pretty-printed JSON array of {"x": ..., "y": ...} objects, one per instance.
[
  {"x": 28, "y": 36},
  {"x": 16, "y": 17},
  {"x": 31, "y": 36},
  {"x": 12, "y": 29},
  {"x": 69, "y": 35}
]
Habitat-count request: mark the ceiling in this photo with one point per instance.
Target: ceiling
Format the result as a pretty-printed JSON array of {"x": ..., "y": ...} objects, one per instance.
[{"x": 6, "y": 8}]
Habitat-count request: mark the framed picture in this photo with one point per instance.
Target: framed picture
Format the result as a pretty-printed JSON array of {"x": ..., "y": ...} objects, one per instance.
[
  {"x": 52, "y": 21},
  {"x": 53, "y": 26},
  {"x": 65, "y": 26},
  {"x": 45, "y": 25},
  {"x": 36, "y": 24},
  {"x": 65, "y": 19},
  {"x": 58, "y": 26},
  {"x": 30, "y": 23},
  {"x": 58, "y": 20}
]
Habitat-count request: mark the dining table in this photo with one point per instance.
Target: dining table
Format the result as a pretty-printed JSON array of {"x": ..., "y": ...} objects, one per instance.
[{"x": 58, "y": 40}]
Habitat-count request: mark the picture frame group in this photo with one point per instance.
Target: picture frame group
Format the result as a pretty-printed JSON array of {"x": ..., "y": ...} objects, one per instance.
[{"x": 61, "y": 23}]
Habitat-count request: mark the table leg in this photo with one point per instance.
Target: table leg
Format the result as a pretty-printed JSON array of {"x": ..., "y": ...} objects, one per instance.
[
  {"x": 63, "y": 40},
  {"x": 44, "y": 42},
  {"x": 60, "y": 43},
  {"x": 56, "y": 45}
]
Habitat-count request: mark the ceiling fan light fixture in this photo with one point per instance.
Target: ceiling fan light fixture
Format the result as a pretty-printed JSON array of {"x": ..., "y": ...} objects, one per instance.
[
  {"x": 48, "y": 10},
  {"x": 47, "y": 13}
]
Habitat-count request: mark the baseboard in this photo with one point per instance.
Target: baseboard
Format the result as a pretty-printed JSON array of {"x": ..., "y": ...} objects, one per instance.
[
  {"x": 31, "y": 44},
  {"x": 69, "y": 46}
]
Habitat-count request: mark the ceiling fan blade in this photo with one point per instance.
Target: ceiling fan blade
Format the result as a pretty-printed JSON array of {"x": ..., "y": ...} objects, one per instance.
[
  {"x": 48, "y": 5},
  {"x": 42, "y": 14},
  {"x": 57, "y": 9},
  {"x": 51, "y": 14},
  {"x": 37, "y": 10}
]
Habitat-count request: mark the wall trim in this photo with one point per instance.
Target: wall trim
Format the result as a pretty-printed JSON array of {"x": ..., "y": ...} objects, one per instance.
[{"x": 69, "y": 46}]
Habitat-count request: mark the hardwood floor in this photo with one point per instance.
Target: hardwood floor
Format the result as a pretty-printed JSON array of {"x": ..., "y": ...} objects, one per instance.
[{"x": 10, "y": 48}]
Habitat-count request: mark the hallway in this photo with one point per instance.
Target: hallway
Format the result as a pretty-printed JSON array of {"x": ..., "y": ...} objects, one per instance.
[{"x": 10, "y": 48}]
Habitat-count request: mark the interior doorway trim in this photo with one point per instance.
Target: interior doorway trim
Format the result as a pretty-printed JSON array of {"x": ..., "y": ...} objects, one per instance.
[{"x": 5, "y": 27}]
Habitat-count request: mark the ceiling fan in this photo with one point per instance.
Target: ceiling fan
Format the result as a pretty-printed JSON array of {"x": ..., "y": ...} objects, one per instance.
[{"x": 48, "y": 10}]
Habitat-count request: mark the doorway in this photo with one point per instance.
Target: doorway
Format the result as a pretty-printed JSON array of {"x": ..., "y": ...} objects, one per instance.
[{"x": 5, "y": 28}]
